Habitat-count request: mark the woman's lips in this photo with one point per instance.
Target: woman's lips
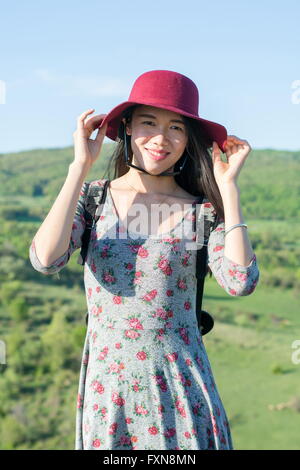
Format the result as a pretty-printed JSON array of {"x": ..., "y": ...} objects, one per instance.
[{"x": 157, "y": 156}]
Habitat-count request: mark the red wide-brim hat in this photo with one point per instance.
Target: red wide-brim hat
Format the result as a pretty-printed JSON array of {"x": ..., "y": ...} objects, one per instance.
[{"x": 167, "y": 90}]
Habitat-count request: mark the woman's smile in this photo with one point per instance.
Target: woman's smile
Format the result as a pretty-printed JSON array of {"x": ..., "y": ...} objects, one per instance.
[{"x": 157, "y": 155}]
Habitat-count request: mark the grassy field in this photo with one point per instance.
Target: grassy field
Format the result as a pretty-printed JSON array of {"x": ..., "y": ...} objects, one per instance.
[{"x": 253, "y": 368}]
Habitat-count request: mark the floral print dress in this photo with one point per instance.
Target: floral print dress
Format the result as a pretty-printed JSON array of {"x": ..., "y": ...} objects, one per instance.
[{"x": 145, "y": 380}]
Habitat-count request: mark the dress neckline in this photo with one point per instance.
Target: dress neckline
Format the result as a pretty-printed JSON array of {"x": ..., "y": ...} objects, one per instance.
[{"x": 142, "y": 235}]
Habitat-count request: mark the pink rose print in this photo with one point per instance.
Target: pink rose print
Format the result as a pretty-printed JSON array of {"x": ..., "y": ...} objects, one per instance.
[
  {"x": 153, "y": 430},
  {"x": 134, "y": 247},
  {"x": 117, "y": 299},
  {"x": 170, "y": 432},
  {"x": 161, "y": 382},
  {"x": 170, "y": 240},
  {"x": 113, "y": 428},
  {"x": 117, "y": 399},
  {"x": 218, "y": 248},
  {"x": 115, "y": 367},
  {"x": 103, "y": 354},
  {"x": 150, "y": 295},
  {"x": 94, "y": 336},
  {"x": 141, "y": 355},
  {"x": 137, "y": 278},
  {"x": 142, "y": 252},
  {"x": 96, "y": 443},
  {"x": 172, "y": 357},
  {"x": 187, "y": 305},
  {"x": 184, "y": 335},
  {"x": 163, "y": 263},
  {"x": 96, "y": 311},
  {"x": 185, "y": 261},
  {"x": 164, "y": 314},
  {"x": 125, "y": 440},
  {"x": 181, "y": 284},
  {"x": 180, "y": 407},
  {"x": 169, "y": 292},
  {"x": 165, "y": 266},
  {"x": 97, "y": 387},
  {"x": 108, "y": 278},
  {"x": 140, "y": 410},
  {"x": 104, "y": 254},
  {"x": 160, "y": 334},
  {"x": 241, "y": 276},
  {"x": 135, "y": 323},
  {"x": 131, "y": 334}
]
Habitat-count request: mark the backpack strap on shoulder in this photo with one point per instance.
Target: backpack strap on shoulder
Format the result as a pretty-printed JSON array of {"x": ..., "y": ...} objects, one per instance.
[
  {"x": 204, "y": 227},
  {"x": 93, "y": 206}
]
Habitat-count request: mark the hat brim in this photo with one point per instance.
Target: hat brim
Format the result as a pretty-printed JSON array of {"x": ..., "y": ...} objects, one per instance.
[{"x": 214, "y": 131}]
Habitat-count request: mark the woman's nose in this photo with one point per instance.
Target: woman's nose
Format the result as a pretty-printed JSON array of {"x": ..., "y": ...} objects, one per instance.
[{"x": 160, "y": 137}]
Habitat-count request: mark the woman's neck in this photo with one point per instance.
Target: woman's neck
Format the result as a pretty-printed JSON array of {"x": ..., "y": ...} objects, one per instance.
[{"x": 150, "y": 183}]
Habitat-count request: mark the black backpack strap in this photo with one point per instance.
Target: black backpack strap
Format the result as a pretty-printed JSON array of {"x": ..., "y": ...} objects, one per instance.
[
  {"x": 93, "y": 206},
  {"x": 204, "y": 319}
]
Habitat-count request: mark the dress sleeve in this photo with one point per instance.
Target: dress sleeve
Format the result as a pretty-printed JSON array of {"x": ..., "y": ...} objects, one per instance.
[
  {"x": 78, "y": 228},
  {"x": 234, "y": 278}
]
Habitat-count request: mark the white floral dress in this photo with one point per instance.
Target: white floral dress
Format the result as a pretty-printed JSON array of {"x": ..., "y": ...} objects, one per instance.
[{"x": 145, "y": 380}]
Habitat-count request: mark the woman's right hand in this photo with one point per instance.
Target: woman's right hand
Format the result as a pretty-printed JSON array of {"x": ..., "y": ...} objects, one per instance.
[{"x": 87, "y": 150}]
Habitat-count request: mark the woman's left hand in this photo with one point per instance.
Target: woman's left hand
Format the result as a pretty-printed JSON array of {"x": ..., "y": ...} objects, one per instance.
[{"x": 236, "y": 151}]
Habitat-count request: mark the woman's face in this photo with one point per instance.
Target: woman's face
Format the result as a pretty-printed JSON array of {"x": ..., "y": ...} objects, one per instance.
[{"x": 155, "y": 130}]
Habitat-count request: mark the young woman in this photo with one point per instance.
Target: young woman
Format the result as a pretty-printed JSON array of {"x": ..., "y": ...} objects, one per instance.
[{"x": 146, "y": 381}]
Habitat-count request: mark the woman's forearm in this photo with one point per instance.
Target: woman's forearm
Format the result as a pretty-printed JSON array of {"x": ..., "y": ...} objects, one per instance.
[
  {"x": 53, "y": 237},
  {"x": 237, "y": 244}
]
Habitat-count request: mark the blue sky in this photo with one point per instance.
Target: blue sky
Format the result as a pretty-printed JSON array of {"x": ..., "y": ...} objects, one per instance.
[{"x": 61, "y": 58}]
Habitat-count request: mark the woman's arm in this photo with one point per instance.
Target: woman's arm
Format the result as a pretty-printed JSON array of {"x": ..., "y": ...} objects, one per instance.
[
  {"x": 235, "y": 278},
  {"x": 237, "y": 244},
  {"x": 53, "y": 237}
]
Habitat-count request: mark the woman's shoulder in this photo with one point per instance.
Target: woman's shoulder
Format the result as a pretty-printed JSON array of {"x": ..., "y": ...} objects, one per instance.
[{"x": 99, "y": 182}]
